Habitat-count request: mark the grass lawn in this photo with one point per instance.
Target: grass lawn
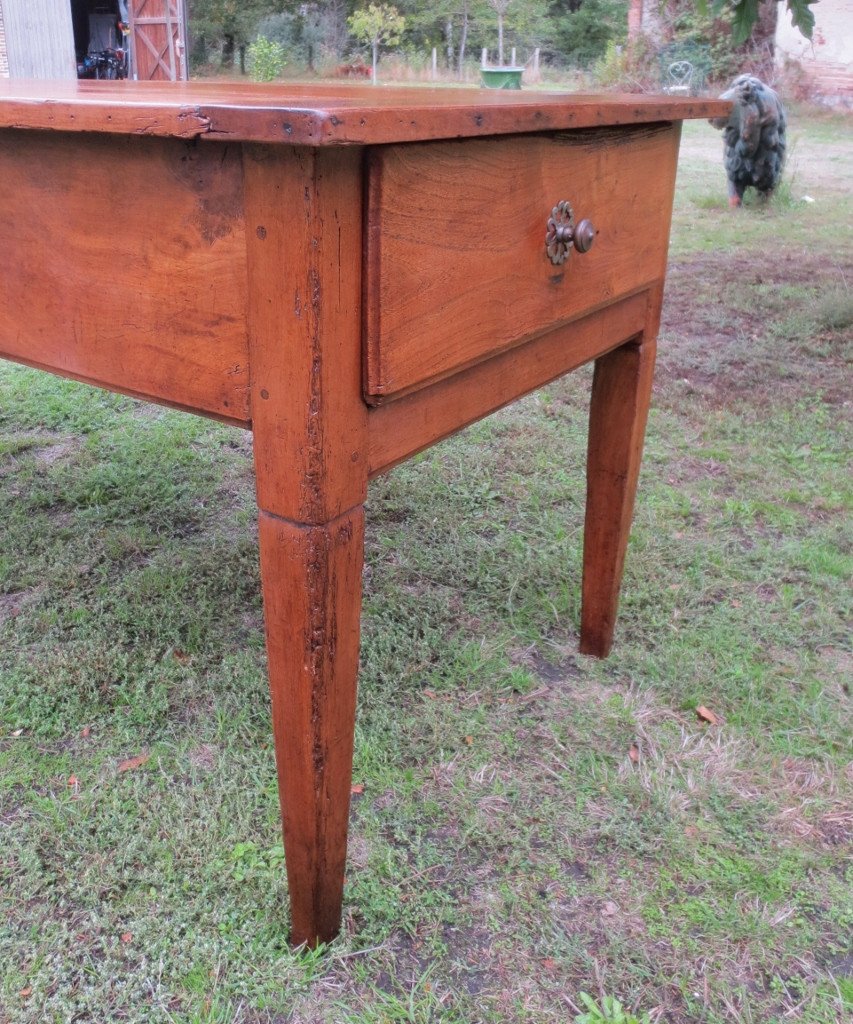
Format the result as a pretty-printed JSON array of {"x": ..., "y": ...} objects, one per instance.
[{"x": 533, "y": 824}]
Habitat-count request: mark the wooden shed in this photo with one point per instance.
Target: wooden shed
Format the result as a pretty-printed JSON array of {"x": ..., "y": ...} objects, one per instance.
[
  {"x": 158, "y": 31},
  {"x": 38, "y": 40},
  {"x": 47, "y": 38},
  {"x": 4, "y": 63}
]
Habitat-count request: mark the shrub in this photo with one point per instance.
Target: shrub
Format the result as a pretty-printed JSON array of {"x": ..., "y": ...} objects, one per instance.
[
  {"x": 582, "y": 35},
  {"x": 266, "y": 59},
  {"x": 629, "y": 68}
]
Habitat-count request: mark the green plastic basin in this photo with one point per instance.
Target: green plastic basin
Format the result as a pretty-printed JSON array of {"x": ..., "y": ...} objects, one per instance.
[{"x": 501, "y": 78}]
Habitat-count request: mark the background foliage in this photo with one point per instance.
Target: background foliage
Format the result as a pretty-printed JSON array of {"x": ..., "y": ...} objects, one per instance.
[{"x": 568, "y": 33}]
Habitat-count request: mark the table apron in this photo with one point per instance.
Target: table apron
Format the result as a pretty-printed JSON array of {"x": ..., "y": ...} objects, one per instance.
[
  {"x": 124, "y": 265},
  {"x": 406, "y": 426}
]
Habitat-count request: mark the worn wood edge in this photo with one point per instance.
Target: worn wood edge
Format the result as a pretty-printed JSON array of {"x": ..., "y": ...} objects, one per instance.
[
  {"x": 379, "y": 126},
  {"x": 89, "y": 115},
  {"x": 143, "y": 396},
  {"x": 443, "y": 408},
  {"x": 121, "y": 112}
]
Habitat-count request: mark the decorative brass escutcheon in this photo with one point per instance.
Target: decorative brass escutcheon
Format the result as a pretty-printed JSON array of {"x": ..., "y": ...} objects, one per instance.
[{"x": 561, "y": 233}]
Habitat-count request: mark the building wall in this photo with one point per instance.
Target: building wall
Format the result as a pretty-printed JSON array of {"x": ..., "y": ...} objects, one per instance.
[
  {"x": 4, "y": 63},
  {"x": 39, "y": 38},
  {"x": 827, "y": 60}
]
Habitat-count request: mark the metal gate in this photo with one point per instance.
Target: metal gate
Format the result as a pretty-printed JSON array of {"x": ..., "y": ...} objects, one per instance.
[{"x": 158, "y": 33}]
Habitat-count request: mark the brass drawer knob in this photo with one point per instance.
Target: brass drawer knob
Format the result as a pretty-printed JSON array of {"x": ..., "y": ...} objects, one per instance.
[{"x": 561, "y": 234}]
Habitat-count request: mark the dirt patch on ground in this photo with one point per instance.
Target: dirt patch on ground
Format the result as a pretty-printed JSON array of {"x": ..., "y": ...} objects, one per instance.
[
  {"x": 732, "y": 328},
  {"x": 11, "y": 605},
  {"x": 60, "y": 449}
]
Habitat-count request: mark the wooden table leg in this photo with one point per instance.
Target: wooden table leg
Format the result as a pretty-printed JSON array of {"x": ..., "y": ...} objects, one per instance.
[
  {"x": 621, "y": 390},
  {"x": 312, "y": 587},
  {"x": 309, "y": 421}
]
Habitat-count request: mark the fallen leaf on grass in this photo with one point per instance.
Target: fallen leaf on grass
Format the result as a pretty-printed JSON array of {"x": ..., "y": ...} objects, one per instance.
[
  {"x": 357, "y": 789},
  {"x": 469, "y": 740},
  {"x": 17, "y": 732},
  {"x": 72, "y": 781},
  {"x": 549, "y": 964},
  {"x": 127, "y": 937},
  {"x": 431, "y": 694},
  {"x": 609, "y": 909},
  {"x": 707, "y": 715},
  {"x": 634, "y": 753},
  {"x": 133, "y": 762},
  {"x": 25, "y": 992},
  {"x": 85, "y": 731}
]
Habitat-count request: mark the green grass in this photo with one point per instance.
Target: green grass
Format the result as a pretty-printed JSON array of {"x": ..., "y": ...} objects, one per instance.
[{"x": 507, "y": 853}]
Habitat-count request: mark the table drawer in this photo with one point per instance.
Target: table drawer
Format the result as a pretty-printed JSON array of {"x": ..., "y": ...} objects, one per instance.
[{"x": 457, "y": 266}]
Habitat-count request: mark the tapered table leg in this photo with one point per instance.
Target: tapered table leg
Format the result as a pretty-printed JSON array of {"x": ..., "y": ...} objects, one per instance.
[
  {"x": 621, "y": 391},
  {"x": 312, "y": 602},
  {"x": 309, "y": 421}
]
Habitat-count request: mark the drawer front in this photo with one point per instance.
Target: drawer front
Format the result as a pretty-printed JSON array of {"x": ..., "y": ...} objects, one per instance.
[{"x": 457, "y": 266}]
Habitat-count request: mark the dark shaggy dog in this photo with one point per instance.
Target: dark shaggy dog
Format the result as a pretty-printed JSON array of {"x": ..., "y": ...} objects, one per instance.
[{"x": 753, "y": 138}]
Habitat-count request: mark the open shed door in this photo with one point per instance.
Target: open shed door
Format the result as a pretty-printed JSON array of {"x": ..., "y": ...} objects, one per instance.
[{"x": 158, "y": 33}]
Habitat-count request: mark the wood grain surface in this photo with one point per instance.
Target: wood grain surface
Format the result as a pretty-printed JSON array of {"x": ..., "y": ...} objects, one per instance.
[
  {"x": 323, "y": 114},
  {"x": 402, "y": 428},
  {"x": 457, "y": 264},
  {"x": 123, "y": 264}
]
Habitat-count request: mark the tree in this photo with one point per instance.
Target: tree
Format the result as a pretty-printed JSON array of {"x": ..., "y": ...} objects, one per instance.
[
  {"x": 500, "y": 7},
  {"x": 635, "y": 18},
  {"x": 379, "y": 25},
  {"x": 463, "y": 35},
  {"x": 582, "y": 29},
  {"x": 231, "y": 21},
  {"x": 528, "y": 22},
  {"x": 745, "y": 15}
]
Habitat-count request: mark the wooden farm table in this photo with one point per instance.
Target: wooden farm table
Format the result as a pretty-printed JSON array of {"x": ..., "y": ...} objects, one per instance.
[{"x": 352, "y": 274}]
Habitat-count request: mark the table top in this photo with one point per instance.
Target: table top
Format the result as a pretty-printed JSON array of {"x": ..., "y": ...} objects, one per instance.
[{"x": 318, "y": 114}]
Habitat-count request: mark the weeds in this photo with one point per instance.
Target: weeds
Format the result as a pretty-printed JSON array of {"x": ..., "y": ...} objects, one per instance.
[{"x": 609, "y": 1010}]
